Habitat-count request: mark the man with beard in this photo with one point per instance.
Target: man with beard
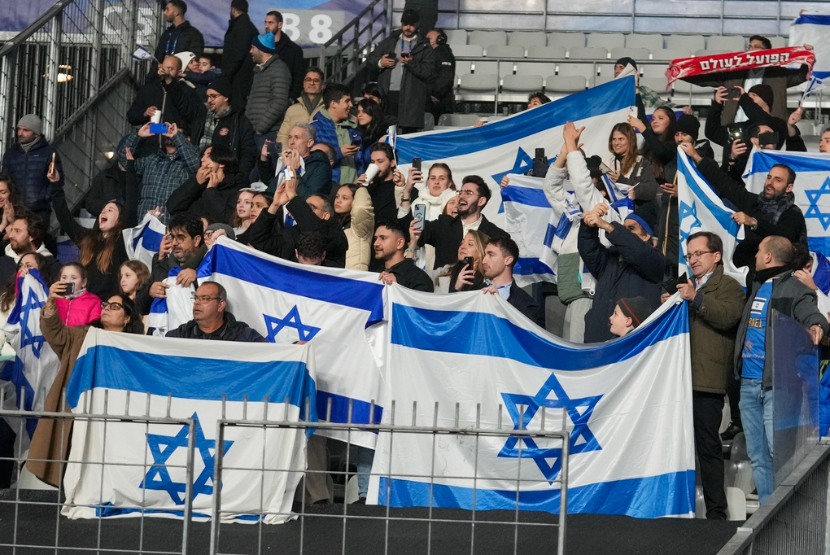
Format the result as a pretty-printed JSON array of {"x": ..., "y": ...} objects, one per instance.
[
  {"x": 389, "y": 245},
  {"x": 228, "y": 125},
  {"x": 772, "y": 212}
]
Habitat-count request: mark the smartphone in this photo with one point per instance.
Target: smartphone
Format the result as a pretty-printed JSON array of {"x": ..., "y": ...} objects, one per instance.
[
  {"x": 603, "y": 167},
  {"x": 671, "y": 285},
  {"x": 406, "y": 55},
  {"x": 416, "y": 164},
  {"x": 70, "y": 289},
  {"x": 540, "y": 153},
  {"x": 274, "y": 149},
  {"x": 391, "y": 54},
  {"x": 159, "y": 128},
  {"x": 419, "y": 211},
  {"x": 768, "y": 139},
  {"x": 736, "y": 132},
  {"x": 357, "y": 142},
  {"x": 52, "y": 163},
  {"x": 468, "y": 261},
  {"x": 734, "y": 92}
]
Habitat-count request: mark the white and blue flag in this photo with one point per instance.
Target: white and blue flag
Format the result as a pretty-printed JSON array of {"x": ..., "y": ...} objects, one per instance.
[
  {"x": 340, "y": 311},
  {"x": 700, "y": 208},
  {"x": 143, "y": 241},
  {"x": 132, "y": 375},
  {"x": 26, "y": 380},
  {"x": 812, "y": 188},
  {"x": 628, "y": 405},
  {"x": 507, "y": 146},
  {"x": 813, "y": 29}
]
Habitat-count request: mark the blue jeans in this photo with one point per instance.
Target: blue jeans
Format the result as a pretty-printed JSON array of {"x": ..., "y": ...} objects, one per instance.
[
  {"x": 365, "y": 458},
  {"x": 756, "y": 414}
]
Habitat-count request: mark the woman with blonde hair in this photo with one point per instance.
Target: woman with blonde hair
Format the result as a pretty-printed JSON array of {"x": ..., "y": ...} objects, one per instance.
[{"x": 627, "y": 167}]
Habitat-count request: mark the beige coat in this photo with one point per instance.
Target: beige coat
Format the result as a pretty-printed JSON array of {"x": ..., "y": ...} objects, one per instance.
[
  {"x": 295, "y": 113},
  {"x": 360, "y": 232}
]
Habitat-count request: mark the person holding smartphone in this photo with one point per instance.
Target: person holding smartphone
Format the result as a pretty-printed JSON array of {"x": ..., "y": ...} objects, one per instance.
[{"x": 76, "y": 306}]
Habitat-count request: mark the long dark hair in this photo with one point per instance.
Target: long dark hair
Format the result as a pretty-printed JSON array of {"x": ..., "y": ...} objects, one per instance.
[
  {"x": 372, "y": 132},
  {"x": 346, "y": 219},
  {"x": 94, "y": 245},
  {"x": 134, "y": 325},
  {"x": 14, "y": 192},
  {"x": 667, "y": 136},
  {"x": 8, "y": 295}
]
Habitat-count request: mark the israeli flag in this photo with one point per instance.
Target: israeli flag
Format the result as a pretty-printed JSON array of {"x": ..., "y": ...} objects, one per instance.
[
  {"x": 813, "y": 29},
  {"x": 132, "y": 375},
  {"x": 533, "y": 224},
  {"x": 507, "y": 146},
  {"x": 144, "y": 240},
  {"x": 812, "y": 188},
  {"x": 26, "y": 380},
  {"x": 142, "y": 54},
  {"x": 339, "y": 311},
  {"x": 628, "y": 405},
  {"x": 701, "y": 209}
]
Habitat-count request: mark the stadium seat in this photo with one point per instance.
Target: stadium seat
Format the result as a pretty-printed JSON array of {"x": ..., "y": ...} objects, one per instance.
[
  {"x": 502, "y": 68},
  {"x": 457, "y": 120},
  {"x": 456, "y": 36},
  {"x": 527, "y": 38},
  {"x": 522, "y": 83},
  {"x": 568, "y": 40},
  {"x": 479, "y": 82},
  {"x": 778, "y": 42},
  {"x": 488, "y": 38},
  {"x": 643, "y": 40},
  {"x": 602, "y": 79},
  {"x": 504, "y": 51},
  {"x": 565, "y": 84},
  {"x": 709, "y": 52},
  {"x": 467, "y": 50},
  {"x": 656, "y": 84},
  {"x": 463, "y": 67},
  {"x": 588, "y": 53},
  {"x": 536, "y": 68},
  {"x": 555, "y": 52},
  {"x": 606, "y": 69},
  {"x": 588, "y": 71},
  {"x": 727, "y": 43},
  {"x": 806, "y": 127},
  {"x": 685, "y": 42},
  {"x": 653, "y": 70},
  {"x": 669, "y": 54},
  {"x": 636, "y": 54},
  {"x": 606, "y": 40}
]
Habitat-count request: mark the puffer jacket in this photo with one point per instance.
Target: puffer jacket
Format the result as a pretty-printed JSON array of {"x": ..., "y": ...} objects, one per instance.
[
  {"x": 28, "y": 168},
  {"x": 359, "y": 233},
  {"x": 269, "y": 95},
  {"x": 79, "y": 311}
]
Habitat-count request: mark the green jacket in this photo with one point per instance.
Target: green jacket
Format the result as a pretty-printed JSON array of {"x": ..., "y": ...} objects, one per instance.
[{"x": 714, "y": 315}]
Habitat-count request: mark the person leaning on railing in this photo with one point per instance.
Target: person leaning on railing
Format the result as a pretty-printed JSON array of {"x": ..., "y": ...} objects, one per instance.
[{"x": 50, "y": 443}]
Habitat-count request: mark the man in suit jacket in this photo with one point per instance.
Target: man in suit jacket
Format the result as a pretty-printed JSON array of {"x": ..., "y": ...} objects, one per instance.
[
  {"x": 500, "y": 256},
  {"x": 446, "y": 233}
]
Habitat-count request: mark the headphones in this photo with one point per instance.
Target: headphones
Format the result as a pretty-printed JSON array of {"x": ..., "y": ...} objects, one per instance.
[{"x": 442, "y": 37}]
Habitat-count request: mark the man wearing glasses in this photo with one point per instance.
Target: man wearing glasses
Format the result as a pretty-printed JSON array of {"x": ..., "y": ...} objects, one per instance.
[
  {"x": 212, "y": 321},
  {"x": 716, "y": 302},
  {"x": 306, "y": 107},
  {"x": 226, "y": 124}
]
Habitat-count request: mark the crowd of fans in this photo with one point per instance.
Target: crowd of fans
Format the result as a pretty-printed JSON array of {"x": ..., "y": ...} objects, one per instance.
[{"x": 262, "y": 150}]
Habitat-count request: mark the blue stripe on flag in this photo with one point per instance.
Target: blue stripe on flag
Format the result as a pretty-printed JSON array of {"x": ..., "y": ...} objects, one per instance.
[
  {"x": 763, "y": 160},
  {"x": 651, "y": 497},
  {"x": 550, "y": 233},
  {"x": 610, "y": 97},
  {"x": 531, "y": 266},
  {"x": 340, "y": 409},
  {"x": 723, "y": 217},
  {"x": 525, "y": 195},
  {"x": 813, "y": 19},
  {"x": 819, "y": 245},
  {"x": 488, "y": 335},
  {"x": 113, "y": 368},
  {"x": 295, "y": 281}
]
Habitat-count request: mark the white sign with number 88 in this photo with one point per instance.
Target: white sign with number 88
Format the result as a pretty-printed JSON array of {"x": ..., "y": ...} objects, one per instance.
[{"x": 311, "y": 27}]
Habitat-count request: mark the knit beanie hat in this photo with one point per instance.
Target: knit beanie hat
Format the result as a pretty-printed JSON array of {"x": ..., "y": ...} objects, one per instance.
[
  {"x": 646, "y": 216},
  {"x": 32, "y": 123},
  {"x": 765, "y": 92},
  {"x": 225, "y": 227},
  {"x": 222, "y": 85},
  {"x": 636, "y": 308},
  {"x": 689, "y": 125},
  {"x": 626, "y": 61},
  {"x": 265, "y": 42},
  {"x": 185, "y": 58},
  {"x": 410, "y": 17}
]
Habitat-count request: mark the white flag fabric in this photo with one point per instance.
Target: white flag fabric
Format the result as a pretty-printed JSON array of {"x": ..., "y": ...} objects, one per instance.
[
  {"x": 118, "y": 373},
  {"x": 143, "y": 241},
  {"x": 628, "y": 404},
  {"x": 27, "y": 379},
  {"x": 141, "y": 54},
  {"x": 812, "y": 188},
  {"x": 507, "y": 146},
  {"x": 701, "y": 209},
  {"x": 813, "y": 29},
  {"x": 340, "y": 311}
]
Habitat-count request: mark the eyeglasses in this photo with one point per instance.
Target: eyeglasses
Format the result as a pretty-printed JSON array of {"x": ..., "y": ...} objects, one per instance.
[
  {"x": 312, "y": 80},
  {"x": 467, "y": 192},
  {"x": 202, "y": 299},
  {"x": 694, "y": 255},
  {"x": 111, "y": 306},
  {"x": 214, "y": 96}
]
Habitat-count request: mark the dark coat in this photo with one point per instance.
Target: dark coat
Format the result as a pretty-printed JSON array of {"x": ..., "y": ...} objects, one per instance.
[
  {"x": 633, "y": 268},
  {"x": 446, "y": 233},
  {"x": 237, "y": 65},
  {"x": 525, "y": 304},
  {"x": 415, "y": 83},
  {"x": 267, "y": 235},
  {"x": 269, "y": 98},
  {"x": 28, "y": 168},
  {"x": 236, "y": 132},
  {"x": 315, "y": 181},
  {"x": 109, "y": 184},
  {"x": 411, "y": 276},
  {"x": 444, "y": 81},
  {"x": 292, "y": 54},
  {"x": 383, "y": 200},
  {"x": 231, "y": 330},
  {"x": 790, "y": 224},
  {"x": 217, "y": 203},
  {"x": 184, "y": 38},
  {"x": 179, "y": 103}
]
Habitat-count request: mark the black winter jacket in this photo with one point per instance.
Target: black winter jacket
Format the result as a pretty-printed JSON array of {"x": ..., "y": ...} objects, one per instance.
[
  {"x": 184, "y": 38},
  {"x": 236, "y": 132},
  {"x": 179, "y": 103},
  {"x": 28, "y": 168},
  {"x": 292, "y": 54},
  {"x": 237, "y": 65},
  {"x": 109, "y": 184},
  {"x": 217, "y": 203},
  {"x": 231, "y": 330}
]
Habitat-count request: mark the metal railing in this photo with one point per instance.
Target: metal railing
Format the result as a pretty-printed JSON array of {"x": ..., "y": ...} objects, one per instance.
[
  {"x": 63, "y": 65},
  {"x": 345, "y": 53}
]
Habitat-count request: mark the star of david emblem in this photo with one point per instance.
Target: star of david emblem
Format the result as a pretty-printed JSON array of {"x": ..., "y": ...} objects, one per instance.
[
  {"x": 291, "y": 320},
  {"x": 687, "y": 211},
  {"x": 26, "y": 335},
  {"x": 813, "y": 211},
  {"x": 579, "y": 411},
  {"x": 522, "y": 165},
  {"x": 162, "y": 447}
]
